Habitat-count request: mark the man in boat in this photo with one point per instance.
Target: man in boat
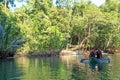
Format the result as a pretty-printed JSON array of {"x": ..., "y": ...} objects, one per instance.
[{"x": 95, "y": 59}]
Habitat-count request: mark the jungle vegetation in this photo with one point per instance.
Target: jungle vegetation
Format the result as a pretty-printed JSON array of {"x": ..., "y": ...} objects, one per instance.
[{"x": 41, "y": 25}]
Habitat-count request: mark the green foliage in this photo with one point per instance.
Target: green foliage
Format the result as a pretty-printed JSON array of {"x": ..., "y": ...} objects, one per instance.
[
  {"x": 47, "y": 26},
  {"x": 10, "y": 38}
]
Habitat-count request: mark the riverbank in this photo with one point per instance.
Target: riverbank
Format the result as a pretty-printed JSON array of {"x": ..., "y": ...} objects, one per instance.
[{"x": 47, "y": 53}]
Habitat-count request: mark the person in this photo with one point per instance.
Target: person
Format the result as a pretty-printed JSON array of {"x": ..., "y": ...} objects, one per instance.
[
  {"x": 92, "y": 53},
  {"x": 98, "y": 54},
  {"x": 86, "y": 54},
  {"x": 95, "y": 59},
  {"x": 98, "y": 58}
]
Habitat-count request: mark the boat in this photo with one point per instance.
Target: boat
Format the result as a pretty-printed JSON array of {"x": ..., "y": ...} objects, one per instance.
[
  {"x": 95, "y": 64},
  {"x": 83, "y": 60}
]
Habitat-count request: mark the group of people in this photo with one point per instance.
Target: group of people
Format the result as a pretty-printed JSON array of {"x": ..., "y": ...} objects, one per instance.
[
  {"x": 95, "y": 59},
  {"x": 95, "y": 53}
]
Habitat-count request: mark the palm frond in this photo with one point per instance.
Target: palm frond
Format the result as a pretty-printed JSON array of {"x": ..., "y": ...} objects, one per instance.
[{"x": 16, "y": 43}]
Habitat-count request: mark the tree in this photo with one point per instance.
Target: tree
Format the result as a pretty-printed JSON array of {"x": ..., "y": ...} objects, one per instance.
[
  {"x": 110, "y": 8},
  {"x": 10, "y": 37}
]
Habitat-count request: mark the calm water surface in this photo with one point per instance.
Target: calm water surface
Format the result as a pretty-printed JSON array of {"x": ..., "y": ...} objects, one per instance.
[{"x": 55, "y": 68}]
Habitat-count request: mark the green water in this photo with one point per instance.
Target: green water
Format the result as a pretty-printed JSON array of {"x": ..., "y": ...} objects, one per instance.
[{"x": 55, "y": 68}]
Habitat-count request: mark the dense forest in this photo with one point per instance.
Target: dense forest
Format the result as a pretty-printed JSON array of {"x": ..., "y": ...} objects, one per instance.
[{"x": 41, "y": 25}]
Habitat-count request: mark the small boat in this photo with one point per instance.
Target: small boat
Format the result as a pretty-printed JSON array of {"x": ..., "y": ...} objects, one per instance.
[
  {"x": 95, "y": 64},
  {"x": 83, "y": 60}
]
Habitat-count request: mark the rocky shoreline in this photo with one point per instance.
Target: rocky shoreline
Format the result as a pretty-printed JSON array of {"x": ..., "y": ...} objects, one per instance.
[
  {"x": 48, "y": 53},
  {"x": 44, "y": 53}
]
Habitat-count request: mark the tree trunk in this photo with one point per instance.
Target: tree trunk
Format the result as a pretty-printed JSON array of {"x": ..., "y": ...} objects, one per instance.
[
  {"x": 108, "y": 43},
  {"x": 84, "y": 40},
  {"x": 5, "y": 4}
]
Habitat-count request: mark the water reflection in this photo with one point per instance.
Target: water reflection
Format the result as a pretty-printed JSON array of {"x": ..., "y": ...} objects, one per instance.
[
  {"x": 55, "y": 68},
  {"x": 84, "y": 72},
  {"x": 9, "y": 70},
  {"x": 116, "y": 66}
]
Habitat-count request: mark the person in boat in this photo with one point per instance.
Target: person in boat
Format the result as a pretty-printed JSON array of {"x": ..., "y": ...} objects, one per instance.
[
  {"x": 95, "y": 59},
  {"x": 93, "y": 62}
]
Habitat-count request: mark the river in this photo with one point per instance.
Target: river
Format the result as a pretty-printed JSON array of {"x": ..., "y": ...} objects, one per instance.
[{"x": 57, "y": 68}]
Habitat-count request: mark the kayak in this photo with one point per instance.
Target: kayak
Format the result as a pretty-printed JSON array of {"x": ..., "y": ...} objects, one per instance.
[
  {"x": 83, "y": 60},
  {"x": 94, "y": 62}
]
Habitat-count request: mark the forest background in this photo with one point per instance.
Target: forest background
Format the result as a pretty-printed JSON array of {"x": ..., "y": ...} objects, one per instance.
[{"x": 40, "y": 25}]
